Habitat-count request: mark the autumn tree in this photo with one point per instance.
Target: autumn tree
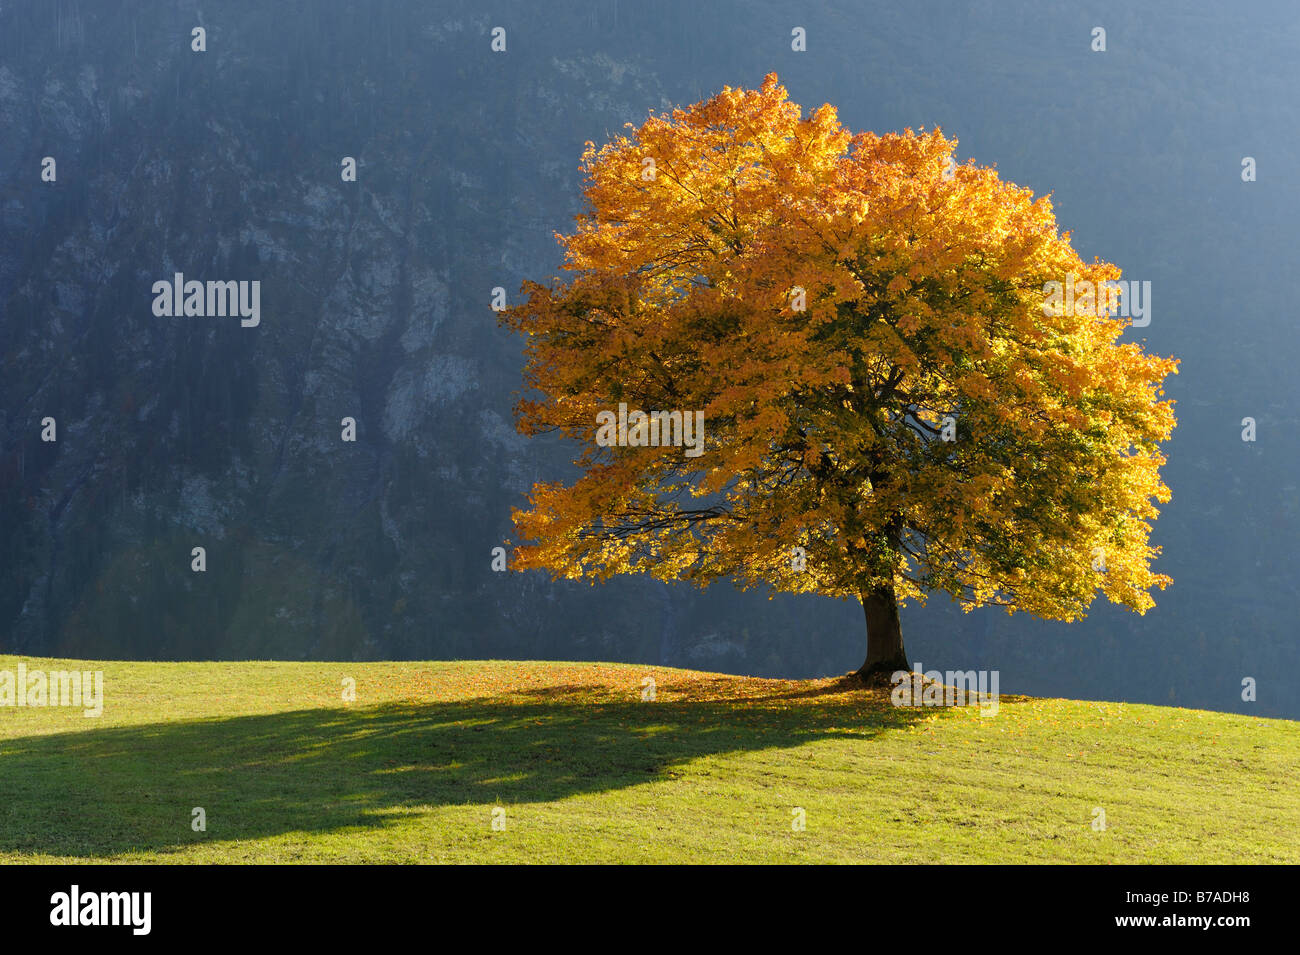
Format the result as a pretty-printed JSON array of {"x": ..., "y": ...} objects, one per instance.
[{"x": 894, "y": 402}]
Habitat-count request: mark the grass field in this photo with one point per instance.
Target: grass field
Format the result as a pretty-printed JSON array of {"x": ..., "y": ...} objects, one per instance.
[{"x": 584, "y": 770}]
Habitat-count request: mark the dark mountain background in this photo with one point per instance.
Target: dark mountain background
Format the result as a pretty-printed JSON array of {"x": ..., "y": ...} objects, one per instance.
[{"x": 183, "y": 432}]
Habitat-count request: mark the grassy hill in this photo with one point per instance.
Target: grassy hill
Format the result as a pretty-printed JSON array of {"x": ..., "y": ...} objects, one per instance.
[{"x": 710, "y": 771}]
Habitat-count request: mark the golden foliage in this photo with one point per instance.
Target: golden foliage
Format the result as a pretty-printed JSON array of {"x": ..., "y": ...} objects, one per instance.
[{"x": 924, "y": 290}]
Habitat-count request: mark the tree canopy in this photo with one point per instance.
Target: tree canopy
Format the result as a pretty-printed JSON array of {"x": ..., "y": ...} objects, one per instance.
[{"x": 891, "y": 404}]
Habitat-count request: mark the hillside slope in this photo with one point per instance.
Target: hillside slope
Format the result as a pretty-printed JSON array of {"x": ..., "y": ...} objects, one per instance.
[{"x": 713, "y": 769}]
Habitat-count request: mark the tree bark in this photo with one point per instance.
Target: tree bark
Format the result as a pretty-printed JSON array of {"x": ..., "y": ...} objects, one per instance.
[{"x": 885, "y": 652}]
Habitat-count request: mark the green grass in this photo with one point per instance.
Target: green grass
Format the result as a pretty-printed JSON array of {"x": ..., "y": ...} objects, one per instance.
[{"x": 587, "y": 772}]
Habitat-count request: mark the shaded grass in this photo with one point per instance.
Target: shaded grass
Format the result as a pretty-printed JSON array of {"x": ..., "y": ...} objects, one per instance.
[{"x": 584, "y": 770}]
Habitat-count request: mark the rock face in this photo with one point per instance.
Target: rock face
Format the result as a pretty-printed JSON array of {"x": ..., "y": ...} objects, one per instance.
[
  {"x": 226, "y": 165},
  {"x": 177, "y": 432}
]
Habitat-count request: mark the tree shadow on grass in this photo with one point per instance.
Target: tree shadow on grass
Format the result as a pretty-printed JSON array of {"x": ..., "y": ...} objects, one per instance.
[{"x": 102, "y": 792}]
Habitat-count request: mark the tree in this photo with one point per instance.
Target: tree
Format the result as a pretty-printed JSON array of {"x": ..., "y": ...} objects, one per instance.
[{"x": 896, "y": 399}]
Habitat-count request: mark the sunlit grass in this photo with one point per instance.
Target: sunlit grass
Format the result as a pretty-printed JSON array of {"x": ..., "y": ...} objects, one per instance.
[{"x": 711, "y": 770}]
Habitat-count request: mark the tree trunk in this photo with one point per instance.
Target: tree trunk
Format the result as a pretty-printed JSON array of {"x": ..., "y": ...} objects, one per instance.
[{"x": 885, "y": 652}]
